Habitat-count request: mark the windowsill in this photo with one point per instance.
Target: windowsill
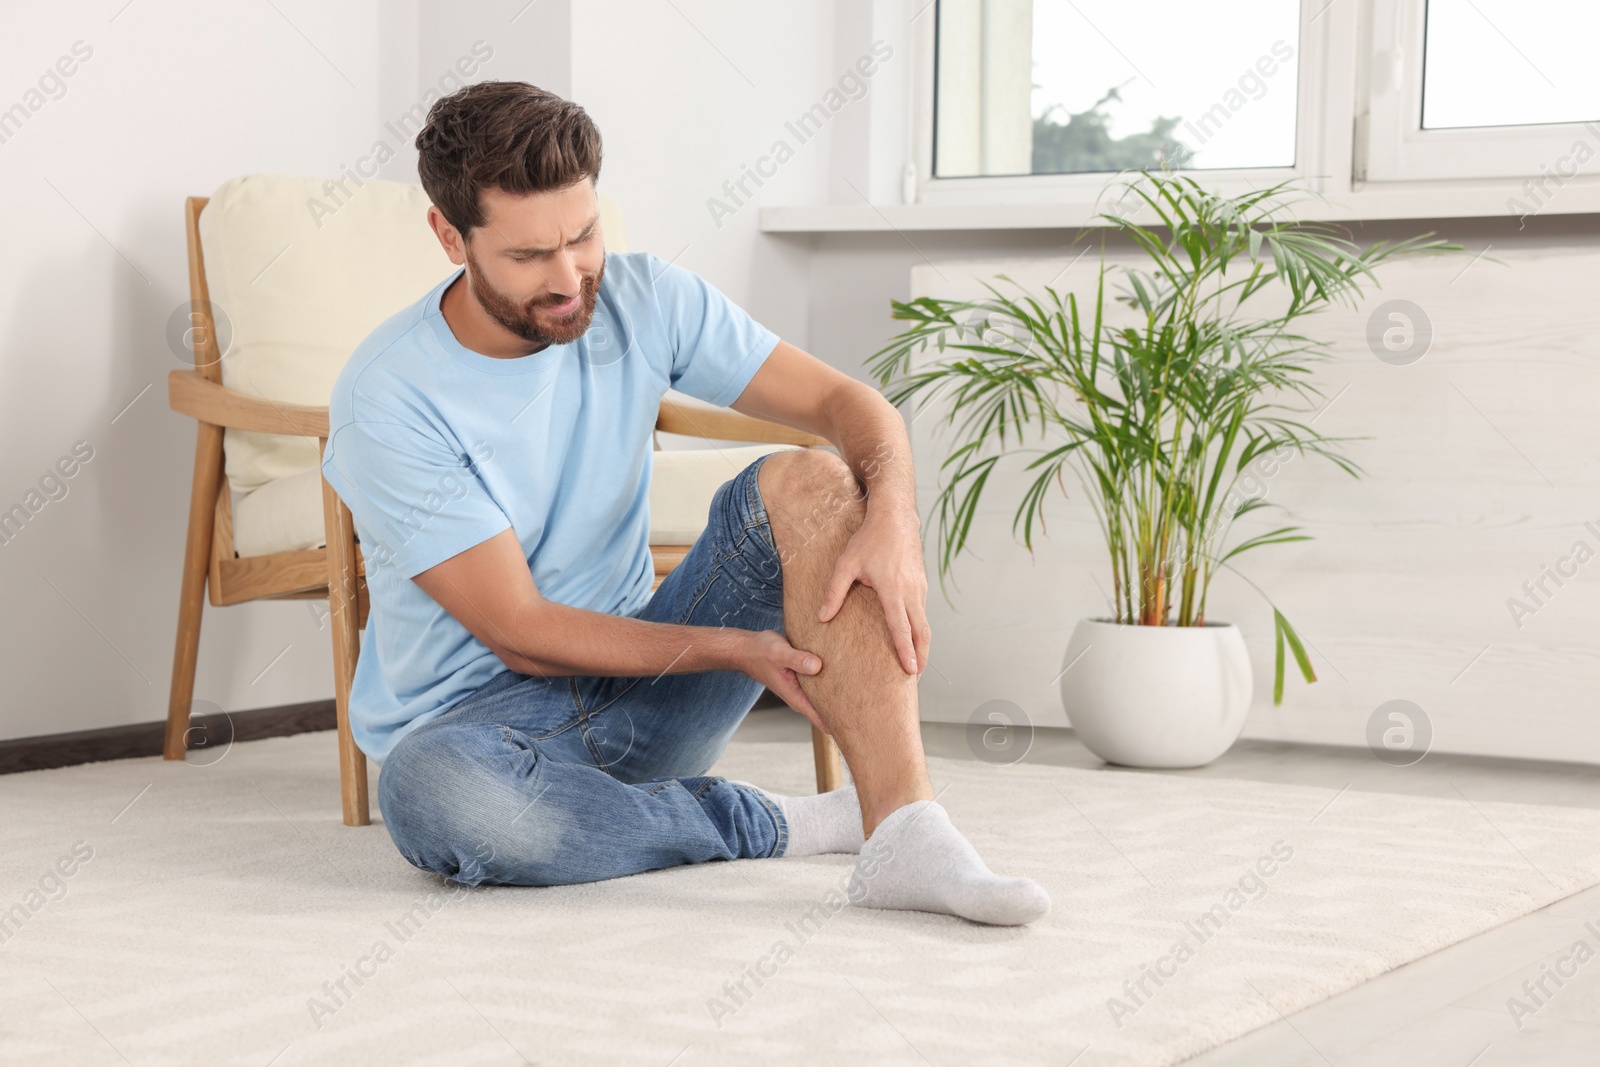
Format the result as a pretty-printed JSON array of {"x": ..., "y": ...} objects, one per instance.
[{"x": 1411, "y": 201}]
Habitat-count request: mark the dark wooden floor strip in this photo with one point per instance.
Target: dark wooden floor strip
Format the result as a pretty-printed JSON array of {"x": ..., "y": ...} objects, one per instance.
[{"x": 206, "y": 732}]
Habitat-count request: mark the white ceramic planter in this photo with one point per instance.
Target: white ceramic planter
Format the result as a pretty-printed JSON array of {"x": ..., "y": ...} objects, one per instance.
[{"x": 1156, "y": 696}]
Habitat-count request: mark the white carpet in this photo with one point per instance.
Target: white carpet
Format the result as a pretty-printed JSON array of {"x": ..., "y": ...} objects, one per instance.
[{"x": 217, "y": 905}]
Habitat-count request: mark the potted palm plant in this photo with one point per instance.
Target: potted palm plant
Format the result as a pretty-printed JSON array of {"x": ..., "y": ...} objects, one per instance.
[{"x": 1158, "y": 414}]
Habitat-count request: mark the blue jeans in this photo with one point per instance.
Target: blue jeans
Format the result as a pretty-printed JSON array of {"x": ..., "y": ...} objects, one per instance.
[{"x": 536, "y": 780}]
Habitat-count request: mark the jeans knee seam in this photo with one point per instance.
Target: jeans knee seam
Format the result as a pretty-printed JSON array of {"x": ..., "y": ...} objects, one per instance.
[{"x": 758, "y": 509}]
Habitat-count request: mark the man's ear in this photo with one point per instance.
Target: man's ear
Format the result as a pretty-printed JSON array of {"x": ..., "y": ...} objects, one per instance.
[{"x": 449, "y": 237}]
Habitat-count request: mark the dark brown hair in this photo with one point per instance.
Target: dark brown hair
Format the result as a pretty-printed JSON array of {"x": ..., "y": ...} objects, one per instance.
[{"x": 513, "y": 135}]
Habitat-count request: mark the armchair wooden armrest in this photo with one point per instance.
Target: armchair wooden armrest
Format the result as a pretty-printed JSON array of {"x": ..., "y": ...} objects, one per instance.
[
  {"x": 723, "y": 424},
  {"x": 192, "y": 394}
]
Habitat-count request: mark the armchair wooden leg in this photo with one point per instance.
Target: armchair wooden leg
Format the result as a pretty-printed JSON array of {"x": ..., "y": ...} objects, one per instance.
[
  {"x": 191, "y": 597},
  {"x": 342, "y": 613},
  {"x": 830, "y": 767},
  {"x": 352, "y": 771},
  {"x": 352, "y": 761}
]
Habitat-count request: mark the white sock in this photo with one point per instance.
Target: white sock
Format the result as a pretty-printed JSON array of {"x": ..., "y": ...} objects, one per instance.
[
  {"x": 917, "y": 860},
  {"x": 823, "y": 822}
]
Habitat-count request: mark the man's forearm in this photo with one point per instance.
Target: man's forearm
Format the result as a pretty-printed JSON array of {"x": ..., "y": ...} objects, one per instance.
[
  {"x": 558, "y": 640},
  {"x": 871, "y": 438}
]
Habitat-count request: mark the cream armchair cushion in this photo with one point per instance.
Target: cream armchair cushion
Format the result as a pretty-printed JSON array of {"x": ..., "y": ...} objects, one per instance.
[
  {"x": 685, "y": 480},
  {"x": 285, "y": 515}
]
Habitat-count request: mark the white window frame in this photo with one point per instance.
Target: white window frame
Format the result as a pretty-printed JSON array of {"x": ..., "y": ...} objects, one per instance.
[{"x": 1399, "y": 149}]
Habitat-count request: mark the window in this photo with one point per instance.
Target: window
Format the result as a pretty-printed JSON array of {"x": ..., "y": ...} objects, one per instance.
[
  {"x": 1388, "y": 108},
  {"x": 1095, "y": 86},
  {"x": 1481, "y": 89}
]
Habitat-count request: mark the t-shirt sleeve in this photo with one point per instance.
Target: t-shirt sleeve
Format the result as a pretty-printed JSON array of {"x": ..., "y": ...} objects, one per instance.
[
  {"x": 415, "y": 501},
  {"x": 716, "y": 346}
]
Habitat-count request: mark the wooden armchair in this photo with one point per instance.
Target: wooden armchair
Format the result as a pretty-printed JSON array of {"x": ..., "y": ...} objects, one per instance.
[{"x": 337, "y": 571}]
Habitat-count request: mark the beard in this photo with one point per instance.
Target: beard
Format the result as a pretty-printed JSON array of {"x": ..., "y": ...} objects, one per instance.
[{"x": 528, "y": 320}]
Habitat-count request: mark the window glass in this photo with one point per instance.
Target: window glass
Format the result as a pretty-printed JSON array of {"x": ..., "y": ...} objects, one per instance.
[
  {"x": 1069, "y": 86},
  {"x": 1500, "y": 63}
]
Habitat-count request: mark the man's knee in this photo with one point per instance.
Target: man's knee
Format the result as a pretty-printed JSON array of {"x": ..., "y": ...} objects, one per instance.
[
  {"x": 448, "y": 810},
  {"x": 811, "y": 492}
]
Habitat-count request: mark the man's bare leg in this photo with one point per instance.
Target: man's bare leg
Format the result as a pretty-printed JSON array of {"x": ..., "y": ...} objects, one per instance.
[
  {"x": 862, "y": 693},
  {"x": 915, "y": 858}
]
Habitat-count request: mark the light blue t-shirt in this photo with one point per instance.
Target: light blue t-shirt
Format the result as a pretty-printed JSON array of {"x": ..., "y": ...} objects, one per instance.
[{"x": 436, "y": 448}]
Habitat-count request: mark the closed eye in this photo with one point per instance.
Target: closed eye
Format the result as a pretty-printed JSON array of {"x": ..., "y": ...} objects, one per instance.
[{"x": 585, "y": 238}]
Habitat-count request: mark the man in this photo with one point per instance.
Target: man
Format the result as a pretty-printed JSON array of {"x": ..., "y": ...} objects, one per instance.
[{"x": 539, "y": 716}]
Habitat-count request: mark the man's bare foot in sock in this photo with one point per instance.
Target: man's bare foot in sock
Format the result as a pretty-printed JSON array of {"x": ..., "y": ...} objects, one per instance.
[{"x": 916, "y": 860}]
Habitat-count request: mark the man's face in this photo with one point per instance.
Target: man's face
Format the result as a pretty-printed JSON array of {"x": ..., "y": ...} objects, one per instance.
[{"x": 535, "y": 265}]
